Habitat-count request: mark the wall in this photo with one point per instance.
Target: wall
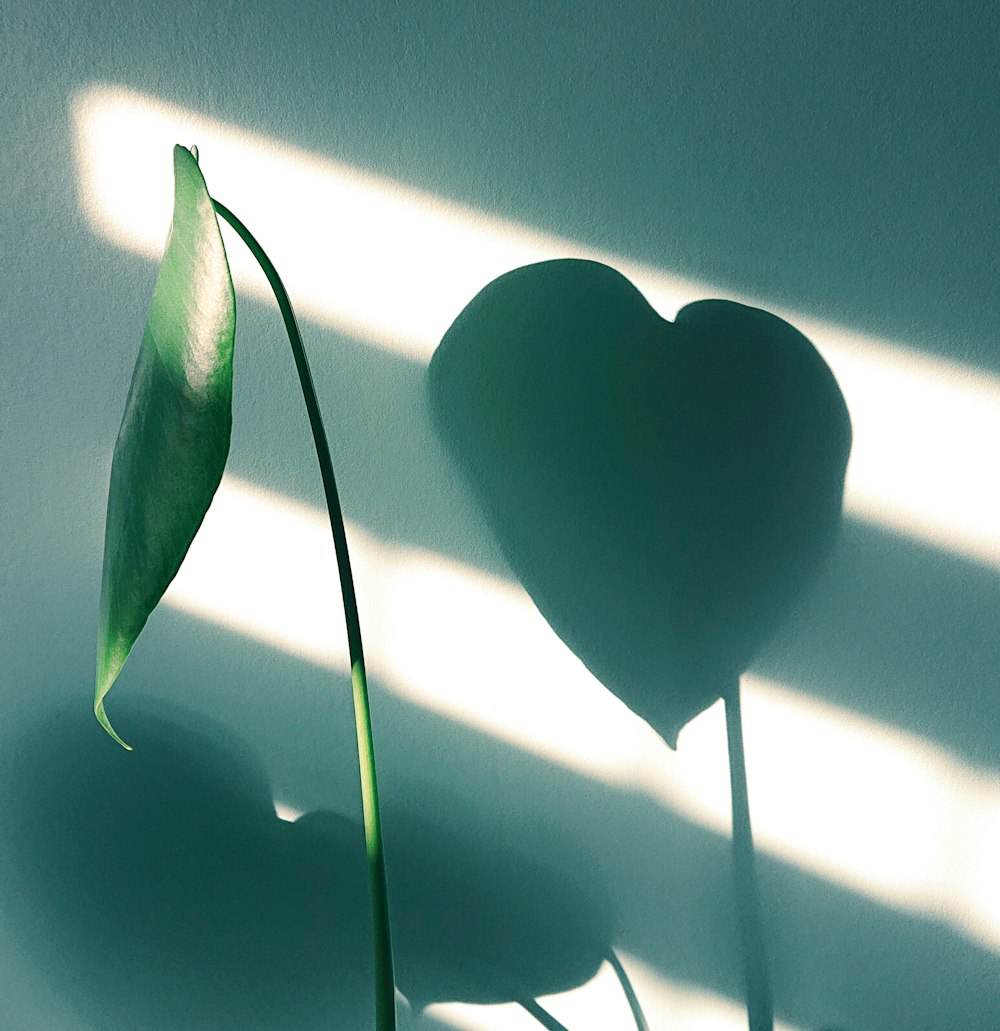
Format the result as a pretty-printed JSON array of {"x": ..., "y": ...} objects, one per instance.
[{"x": 834, "y": 163}]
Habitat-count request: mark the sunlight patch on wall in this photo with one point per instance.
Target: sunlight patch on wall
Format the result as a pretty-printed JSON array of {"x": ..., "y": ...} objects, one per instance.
[
  {"x": 599, "y": 1004},
  {"x": 393, "y": 265},
  {"x": 359, "y": 253},
  {"x": 925, "y": 436},
  {"x": 862, "y": 804}
]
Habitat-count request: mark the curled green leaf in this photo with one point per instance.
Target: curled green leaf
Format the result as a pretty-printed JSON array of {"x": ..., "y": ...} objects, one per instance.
[{"x": 174, "y": 437}]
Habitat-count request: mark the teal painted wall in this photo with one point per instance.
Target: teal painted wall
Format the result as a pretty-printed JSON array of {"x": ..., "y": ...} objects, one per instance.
[{"x": 837, "y": 160}]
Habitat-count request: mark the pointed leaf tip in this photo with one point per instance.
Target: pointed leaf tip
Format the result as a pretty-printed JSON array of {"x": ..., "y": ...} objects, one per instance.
[
  {"x": 174, "y": 437},
  {"x": 102, "y": 718}
]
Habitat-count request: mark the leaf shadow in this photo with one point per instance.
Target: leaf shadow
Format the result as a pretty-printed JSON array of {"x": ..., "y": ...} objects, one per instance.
[
  {"x": 662, "y": 490},
  {"x": 158, "y": 889}
]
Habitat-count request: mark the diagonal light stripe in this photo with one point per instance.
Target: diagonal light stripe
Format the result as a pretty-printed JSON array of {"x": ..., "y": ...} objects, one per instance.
[
  {"x": 393, "y": 265},
  {"x": 599, "y": 1004},
  {"x": 901, "y": 821}
]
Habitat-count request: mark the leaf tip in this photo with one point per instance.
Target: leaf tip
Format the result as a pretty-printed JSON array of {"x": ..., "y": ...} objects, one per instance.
[{"x": 102, "y": 718}]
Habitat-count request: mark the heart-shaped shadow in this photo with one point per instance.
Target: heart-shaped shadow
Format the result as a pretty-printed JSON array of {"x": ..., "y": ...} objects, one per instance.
[{"x": 662, "y": 490}]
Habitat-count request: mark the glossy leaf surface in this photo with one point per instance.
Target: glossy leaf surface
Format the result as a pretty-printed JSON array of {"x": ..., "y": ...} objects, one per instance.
[{"x": 174, "y": 437}]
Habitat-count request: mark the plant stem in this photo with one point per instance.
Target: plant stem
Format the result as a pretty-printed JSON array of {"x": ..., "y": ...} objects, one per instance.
[
  {"x": 385, "y": 1003},
  {"x": 542, "y": 1015},
  {"x": 760, "y": 1007},
  {"x": 633, "y": 999}
]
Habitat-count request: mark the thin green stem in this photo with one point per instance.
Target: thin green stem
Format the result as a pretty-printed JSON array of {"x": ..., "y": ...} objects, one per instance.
[
  {"x": 633, "y": 999},
  {"x": 760, "y": 1007},
  {"x": 543, "y": 1016},
  {"x": 385, "y": 1003}
]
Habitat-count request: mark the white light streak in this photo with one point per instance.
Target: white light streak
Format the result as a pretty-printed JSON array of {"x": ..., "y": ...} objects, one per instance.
[
  {"x": 864, "y": 805},
  {"x": 600, "y": 1004},
  {"x": 394, "y": 266}
]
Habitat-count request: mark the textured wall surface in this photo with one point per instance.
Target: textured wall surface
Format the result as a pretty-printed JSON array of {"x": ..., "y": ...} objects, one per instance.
[{"x": 834, "y": 161}]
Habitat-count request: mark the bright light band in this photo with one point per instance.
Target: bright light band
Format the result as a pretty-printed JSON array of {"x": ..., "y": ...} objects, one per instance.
[
  {"x": 394, "y": 266},
  {"x": 900, "y": 820},
  {"x": 600, "y": 1004}
]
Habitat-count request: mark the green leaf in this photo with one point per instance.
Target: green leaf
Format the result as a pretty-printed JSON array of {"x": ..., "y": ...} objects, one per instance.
[{"x": 174, "y": 436}]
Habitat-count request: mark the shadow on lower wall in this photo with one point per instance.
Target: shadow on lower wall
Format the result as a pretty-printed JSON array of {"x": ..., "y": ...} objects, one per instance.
[{"x": 159, "y": 890}]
